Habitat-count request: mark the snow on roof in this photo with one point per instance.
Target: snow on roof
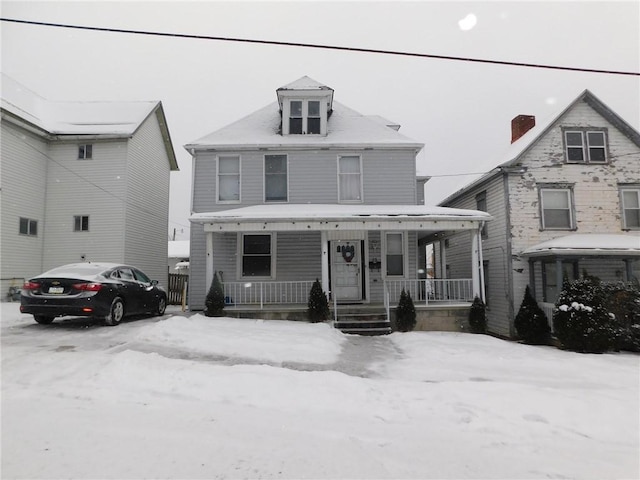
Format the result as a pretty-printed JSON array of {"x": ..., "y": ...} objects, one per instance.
[
  {"x": 74, "y": 118},
  {"x": 587, "y": 244},
  {"x": 345, "y": 127},
  {"x": 305, "y": 83},
  {"x": 331, "y": 212},
  {"x": 179, "y": 249}
]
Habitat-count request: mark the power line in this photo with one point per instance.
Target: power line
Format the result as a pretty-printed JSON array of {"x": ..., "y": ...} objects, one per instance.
[{"x": 320, "y": 46}]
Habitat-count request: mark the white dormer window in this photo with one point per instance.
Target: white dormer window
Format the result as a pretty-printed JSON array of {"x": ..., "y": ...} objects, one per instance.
[{"x": 305, "y": 117}]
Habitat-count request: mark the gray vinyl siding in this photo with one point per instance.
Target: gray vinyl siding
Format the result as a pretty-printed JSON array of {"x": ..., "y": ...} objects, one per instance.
[
  {"x": 95, "y": 187},
  {"x": 146, "y": 224},
  {"x": 24, "y": 170}
]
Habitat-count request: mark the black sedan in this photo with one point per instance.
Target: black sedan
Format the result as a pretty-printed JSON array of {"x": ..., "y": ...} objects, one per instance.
[{"x": 103, "y": 290}]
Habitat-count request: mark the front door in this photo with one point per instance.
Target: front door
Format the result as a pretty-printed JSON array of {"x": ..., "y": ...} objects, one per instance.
[{"x": 346, "y": 267}]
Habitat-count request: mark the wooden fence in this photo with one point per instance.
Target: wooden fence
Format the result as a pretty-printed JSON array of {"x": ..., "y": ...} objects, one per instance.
[{"x": 177, "y": 282}]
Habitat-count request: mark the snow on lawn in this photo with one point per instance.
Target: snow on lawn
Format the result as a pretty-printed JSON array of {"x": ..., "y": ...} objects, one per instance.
[{"x": 195, "y": 397}]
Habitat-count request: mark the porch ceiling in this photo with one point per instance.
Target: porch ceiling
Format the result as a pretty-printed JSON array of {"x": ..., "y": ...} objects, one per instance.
[{"x": 331, "y": 217}]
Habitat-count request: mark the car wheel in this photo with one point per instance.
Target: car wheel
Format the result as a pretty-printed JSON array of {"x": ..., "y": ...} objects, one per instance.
[
  {"x": 116, "y": 313},
  {"x": 43, "y": 319},
  {"x": 161, "y": 307}
]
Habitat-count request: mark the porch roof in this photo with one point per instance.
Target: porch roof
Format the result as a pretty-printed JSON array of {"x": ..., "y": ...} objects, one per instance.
[
  {"x": 288, "y": 217},
  {"x": 587, "y": 244}
]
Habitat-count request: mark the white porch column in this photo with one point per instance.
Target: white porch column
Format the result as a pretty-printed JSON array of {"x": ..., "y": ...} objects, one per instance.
[
  {"x": 209, "y": 260},
  {"x": 481, "y": 267},
  {"x": 324, "y": 241}
]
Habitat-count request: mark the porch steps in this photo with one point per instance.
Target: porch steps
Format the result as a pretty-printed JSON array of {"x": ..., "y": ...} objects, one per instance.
[{"x": 363, "y": 323}]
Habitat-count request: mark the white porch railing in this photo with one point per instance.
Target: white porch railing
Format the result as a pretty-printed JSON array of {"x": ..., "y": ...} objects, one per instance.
[
  {"x": 432, "y": 290},
  {"x": 267, "y": 293},
  {"x": 548, "y": 308}
]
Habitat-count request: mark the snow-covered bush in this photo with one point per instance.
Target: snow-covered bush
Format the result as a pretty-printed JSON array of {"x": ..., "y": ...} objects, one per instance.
[
  {"x": 581, "y": 320},
  {"x": 623, "y": 302},
  {"x": 477, "y": 316},
  {"x": 317, "y": 305},
  {"x": 405, "y": 313},
  {"x": 214, "y": 302},
  {"x": 531, "y": 322}
]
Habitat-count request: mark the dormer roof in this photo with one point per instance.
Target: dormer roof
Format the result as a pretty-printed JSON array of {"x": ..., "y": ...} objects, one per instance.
[{"x": 306, "y": 86}]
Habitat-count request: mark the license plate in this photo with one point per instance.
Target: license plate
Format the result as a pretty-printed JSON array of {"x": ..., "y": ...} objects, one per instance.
[{"x": 56, "y": 289}]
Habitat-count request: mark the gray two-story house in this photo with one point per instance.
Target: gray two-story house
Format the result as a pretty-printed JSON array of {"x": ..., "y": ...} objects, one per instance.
[
  {"x": 307, "y": 188},
  {"x": 82, "y": 181},
  {"x": 565, "y": 202}
]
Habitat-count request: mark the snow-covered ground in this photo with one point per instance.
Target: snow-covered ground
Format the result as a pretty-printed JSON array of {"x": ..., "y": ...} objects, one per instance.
[{"x": 185, "y": 397}]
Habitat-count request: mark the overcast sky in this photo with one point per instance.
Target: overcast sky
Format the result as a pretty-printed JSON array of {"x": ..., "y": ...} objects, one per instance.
[{"x": 461, "y": 111}]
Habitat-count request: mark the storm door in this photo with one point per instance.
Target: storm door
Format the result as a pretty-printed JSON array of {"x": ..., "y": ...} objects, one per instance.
[{"x": 346, "y": 270}]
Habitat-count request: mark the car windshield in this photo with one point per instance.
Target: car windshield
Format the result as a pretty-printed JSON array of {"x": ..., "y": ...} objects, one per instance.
[{"x": 88, "y": 269}]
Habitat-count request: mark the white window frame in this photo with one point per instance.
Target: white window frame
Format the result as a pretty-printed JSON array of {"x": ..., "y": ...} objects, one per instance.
[
  {"x": 624, "y": 207},
  {"x": 240, "y": 255},
  {"x": 264, "y": 177},
  {"x": 571, "y": 206},
  {"x": 361, "y": 183},
  {"x": 585, "y": 145},
  {"x": 239, "y": 175},
  {"x": 79, "y": 223},
  {"x": 304, "y": 115},
  {"x": 32, "y": 227},
  {"x": 85, "y": 151},
  {"x": 405, "y": 254}
]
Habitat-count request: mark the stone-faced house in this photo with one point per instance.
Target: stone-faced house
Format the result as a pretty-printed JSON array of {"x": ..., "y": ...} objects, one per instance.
[
  {"x": 307, "y": 188},
  {"x": 565, "y": 200},
  {"x": 82, "y": 181}
]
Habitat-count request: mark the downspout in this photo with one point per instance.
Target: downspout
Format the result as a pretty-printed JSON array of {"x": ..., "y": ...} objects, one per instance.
[
  {"x": 481, "y": 264},
  {"x": 508, "y": 260}
]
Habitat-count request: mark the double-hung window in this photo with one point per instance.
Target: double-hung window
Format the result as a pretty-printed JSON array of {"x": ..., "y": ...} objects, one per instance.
[
  {"x": 257, "y": 255},
  {"x": 630, "y": 200},
  {"x": 275, "y": 178},
  {"x": 394, "y": 254},
  {"x": 481, "y": 205},
  {"x": 349, "y": 179},
  {"x": 28, "y": 227},
  {"x": 556, "y": 208},
  {"x": 81, "y": 223},
  {"x": 585, "y": 146},
  {"x": 228, "y": 179},
  {"x": 305, "y": 117}
]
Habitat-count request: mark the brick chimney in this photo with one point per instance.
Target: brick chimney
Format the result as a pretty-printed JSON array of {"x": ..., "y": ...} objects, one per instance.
[{"x": 521, "y": 125}]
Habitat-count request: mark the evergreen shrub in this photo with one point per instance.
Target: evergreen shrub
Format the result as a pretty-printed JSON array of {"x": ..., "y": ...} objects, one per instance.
[
  {"x": 405, "y": 313},
  {"x": 214, "y": 302},
  {"x": 317, "y": 305},
  {"x": 477, "y": 316},
  {"x": 623, "y": 301},
  {"x": 531, "y": 322}
]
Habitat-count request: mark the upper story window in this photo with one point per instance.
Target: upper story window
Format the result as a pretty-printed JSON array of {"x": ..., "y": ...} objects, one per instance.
[
  {"x": 556, "y": 204},
  {"x": 481, "y": 205},
  {"x": 275, "y": 178},
  {"x": 349, "y": 179},
  {"x": 305, "y": 117},
  {"x": 228, "y": 179},
  {"x": 81, "y": 223},
  {"x": 585, "y": 146},
  {"x": 28, "y": 227},
  {"x": 630, "y": 202},
  {"x": 85, "y": 152}
]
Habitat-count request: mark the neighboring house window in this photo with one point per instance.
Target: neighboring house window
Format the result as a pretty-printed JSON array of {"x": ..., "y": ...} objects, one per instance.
[
  {"x": 481, "y": 205},
  {"x": 28, "y": 227},
  {"x": 585, "y": 146},
  {"x": 550, "y": 286},
  {"x": 394, "y": 254},
  {"x": 349, "y": 179},
  {"x": 81, "y": 223},
  {"x": 257, "y": 255},
  {"x": 630, "y": 208},
  {"x": 275, "y": 178},
  {"x": 304, "y": 117},
  {"x": 557, "y": 209},
  {"x": 229, "y": 179},
  {"x": 85, "y": 152}
]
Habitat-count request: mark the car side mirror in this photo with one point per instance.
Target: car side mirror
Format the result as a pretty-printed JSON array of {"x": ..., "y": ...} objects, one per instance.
[{"x": 154, "y": 282}]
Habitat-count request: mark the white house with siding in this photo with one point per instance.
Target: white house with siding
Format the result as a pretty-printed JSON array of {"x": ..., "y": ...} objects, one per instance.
[
  {"x": 307, "y": 188},
  {"x": 82, "y": 181},
  {"x": 565, "y": 200}
]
